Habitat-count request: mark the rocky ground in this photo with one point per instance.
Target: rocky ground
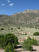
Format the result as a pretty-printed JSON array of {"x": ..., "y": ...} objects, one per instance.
[{"x": 19, "y": 49}]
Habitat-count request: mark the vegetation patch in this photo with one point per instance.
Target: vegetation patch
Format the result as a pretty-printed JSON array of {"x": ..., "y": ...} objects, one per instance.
[
  {"x": 36, "y": 34},
  {"x": 27, "y": 44},
  {"x": 19, "y": 27},
  {"x": 9, "y": 48},
  {"x": 2, "y": 28},
  {"x": 11, "y": 28},
  {"x": 8, "y": 38}
]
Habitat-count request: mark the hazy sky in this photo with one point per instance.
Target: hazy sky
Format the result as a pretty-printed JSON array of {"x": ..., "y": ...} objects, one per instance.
[{"x": 12, "y": 6}]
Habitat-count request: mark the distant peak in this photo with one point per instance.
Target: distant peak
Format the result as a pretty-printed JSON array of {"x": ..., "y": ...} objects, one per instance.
[{"x": 31, "y": 11}]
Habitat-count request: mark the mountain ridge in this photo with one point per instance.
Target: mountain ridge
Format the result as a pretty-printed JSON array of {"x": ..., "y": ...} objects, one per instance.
[{"x": 28, "y": 18}]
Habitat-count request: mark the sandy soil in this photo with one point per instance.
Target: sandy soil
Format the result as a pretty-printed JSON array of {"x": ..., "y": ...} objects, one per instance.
[
  {"x": 36, "y": 48},
  {"x": 1, "y": 50}
]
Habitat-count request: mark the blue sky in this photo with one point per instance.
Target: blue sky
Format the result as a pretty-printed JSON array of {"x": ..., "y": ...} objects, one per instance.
[{"x": 10, "y": 7}]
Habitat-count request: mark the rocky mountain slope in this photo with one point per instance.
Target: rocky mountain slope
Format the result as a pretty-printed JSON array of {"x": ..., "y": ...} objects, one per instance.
[{"x": 28, "y": 18}]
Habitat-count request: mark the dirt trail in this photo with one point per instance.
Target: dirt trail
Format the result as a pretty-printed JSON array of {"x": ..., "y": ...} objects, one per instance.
[
  {"x": 1, "y": 50},
  {"x": 19, "y": 49},
  {"x": 36, "y": 48}
]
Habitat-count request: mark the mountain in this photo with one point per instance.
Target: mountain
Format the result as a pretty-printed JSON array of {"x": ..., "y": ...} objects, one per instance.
[{"x": 28, "y": 18}]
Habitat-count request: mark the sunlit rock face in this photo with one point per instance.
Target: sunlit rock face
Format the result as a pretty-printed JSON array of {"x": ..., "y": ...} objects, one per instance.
[{"x": 28, "y": 18}]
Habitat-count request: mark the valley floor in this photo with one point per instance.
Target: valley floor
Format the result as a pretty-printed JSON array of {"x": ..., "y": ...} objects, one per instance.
[{"x": 19, "y": 33}]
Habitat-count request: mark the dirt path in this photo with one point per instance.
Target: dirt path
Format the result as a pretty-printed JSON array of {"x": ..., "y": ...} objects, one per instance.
[
  {"x": 1, "y": 50},
  {"x": 19, "y": 49},
  {"x": 36, "y": 48}
]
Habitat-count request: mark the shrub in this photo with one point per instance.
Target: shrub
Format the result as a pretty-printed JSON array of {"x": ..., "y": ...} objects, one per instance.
[
  {"x": 27, "y": 45},
  {"x": 36, "y": 34},
  {"x": 11, "y": 28},
  {"x": 2, "y": 41},
  {"x": 8, "y": 38},
  {"x": 2, "y": 28},
  {"x": 18, "y": 27},
  {"x": 9, "y": 48},
  {"x": 11, "y": 38},
  {"x": 32, "y": 41}
]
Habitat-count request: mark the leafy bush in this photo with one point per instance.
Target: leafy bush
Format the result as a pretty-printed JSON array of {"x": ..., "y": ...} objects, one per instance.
[
  {"x": 2, "y": 41},
  {"x": 11, "y": 28},
  {"x": 2, "y": 28},
  {"x": 32, "y": 41},
  {"x": 27, "y": 45},
  {"x": 11, "y": 38},
  {"x": 36, "y": 34},
  {"x": 9, "y": 48},
  {"x": 18, "y": 27},
  {"x": 8, "y": 38}
]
